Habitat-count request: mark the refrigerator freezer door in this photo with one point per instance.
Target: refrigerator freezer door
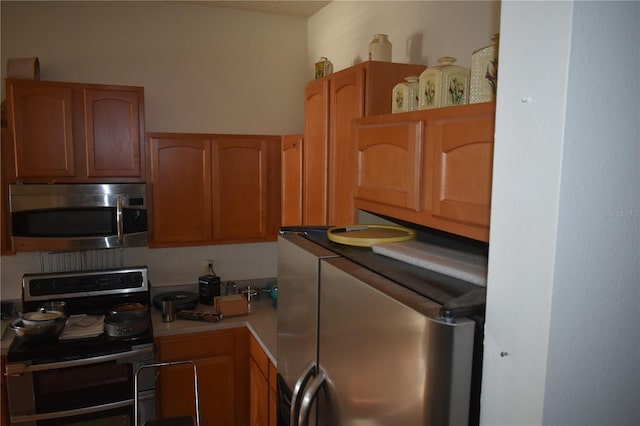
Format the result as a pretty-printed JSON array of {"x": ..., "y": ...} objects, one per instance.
[
  {"x": 388, "y": 359},
  {"x": 298, "y": 272}
]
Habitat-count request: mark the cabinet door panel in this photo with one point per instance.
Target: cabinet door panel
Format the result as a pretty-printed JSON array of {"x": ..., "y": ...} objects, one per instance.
[
  {"x": 292, "y": 151},
  {"x": 316, "y": 128},
  {"x": 259, "y": 396},
  {"x": 347, "y": 103},
  {"x": 42, "y": 129},
  {"x": 180, "y": 189},
  {"x": 242, "y": 178},
  {"x": 389, "y": 168},
  {"x": 113, "y": 132},
  {"x": 463, "y": 169}
]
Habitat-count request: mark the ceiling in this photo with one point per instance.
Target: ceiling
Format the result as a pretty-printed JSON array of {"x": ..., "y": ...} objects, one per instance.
[{"x": 302, "y": 8}]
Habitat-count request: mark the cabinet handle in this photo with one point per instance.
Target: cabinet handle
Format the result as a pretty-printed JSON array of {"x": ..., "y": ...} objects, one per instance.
[
  {"x": 301, "y": 383},
  {"x": 119, "y": 220}
]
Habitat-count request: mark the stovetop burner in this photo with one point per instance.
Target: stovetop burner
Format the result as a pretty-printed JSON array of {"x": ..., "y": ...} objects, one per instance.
[{"x": 88, "y": 292}]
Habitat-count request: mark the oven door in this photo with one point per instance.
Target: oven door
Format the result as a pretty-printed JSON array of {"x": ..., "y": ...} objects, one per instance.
[{"x": 86, "y": 391}]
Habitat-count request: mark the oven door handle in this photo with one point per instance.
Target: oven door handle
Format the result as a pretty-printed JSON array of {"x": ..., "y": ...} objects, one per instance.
[{"x": 18, "y": 369}]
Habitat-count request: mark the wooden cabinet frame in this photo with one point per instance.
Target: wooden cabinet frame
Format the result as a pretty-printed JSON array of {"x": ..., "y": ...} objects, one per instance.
[
  {"x": 76, "y": 132},
  {"x": 431, "y": 167}
]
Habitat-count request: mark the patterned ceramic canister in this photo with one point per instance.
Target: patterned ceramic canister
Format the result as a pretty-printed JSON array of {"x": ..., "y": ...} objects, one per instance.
[
  {"x": 484, "y": 73},
  {"x": 413, "y": 91},
  {"x": 324, "y": 67},
  {"x": 399, "y": 98},
  {"x": 444, "y": 85}
]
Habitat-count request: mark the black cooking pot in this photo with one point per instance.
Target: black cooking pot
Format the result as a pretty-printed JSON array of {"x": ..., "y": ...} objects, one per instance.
[{"x": 126, "y": 323}]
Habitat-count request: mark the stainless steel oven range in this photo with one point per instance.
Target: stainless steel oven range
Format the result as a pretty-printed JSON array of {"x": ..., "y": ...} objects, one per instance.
[{"x": 81, "y": 380}]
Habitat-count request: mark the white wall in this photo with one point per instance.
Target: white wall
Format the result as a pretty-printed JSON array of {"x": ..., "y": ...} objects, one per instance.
[
  {"x": 204, "y": 69},
  {"x": 420, "y": 31},
  {"x": 564, "y": 276}
]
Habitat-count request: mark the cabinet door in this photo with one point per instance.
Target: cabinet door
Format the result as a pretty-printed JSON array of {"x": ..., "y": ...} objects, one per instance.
[
  {"x": 113, "y": 132},
  {"x": 315, "y": 156},
  {"x": 40, "y": 116},
  {"x": 292, "y": 151},
  {"x": 463, "y": 168},
  {"x": 246, "y": 187},
  {"x": 347, "y": 102},
  {"x": 389, "y": 163},
  {"x": 259, "y": 396},
  {"x": 180, "y": 189},
  {"x": 5, "y": 178},
  {"x": 221, "y": 357}
]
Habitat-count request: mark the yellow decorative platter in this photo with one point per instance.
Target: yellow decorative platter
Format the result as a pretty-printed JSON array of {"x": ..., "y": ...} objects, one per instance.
[{"x": 368, "y": 235}]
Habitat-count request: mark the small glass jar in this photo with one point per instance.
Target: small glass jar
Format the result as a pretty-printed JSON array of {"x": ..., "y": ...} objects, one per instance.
[
  {"x": 444, "y": 85},
  {"x": 380, "y": 48}
]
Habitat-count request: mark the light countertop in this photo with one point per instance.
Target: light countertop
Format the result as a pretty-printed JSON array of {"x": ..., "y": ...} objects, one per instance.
[{"x": 262, "y": 322}]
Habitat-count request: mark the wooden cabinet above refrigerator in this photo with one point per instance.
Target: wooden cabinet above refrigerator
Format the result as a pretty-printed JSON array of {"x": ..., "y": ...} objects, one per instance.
[
  {"x": 331, "y": 103},
  {"x": 430, "y": 167},
  {"x": 75, "y": 132}
]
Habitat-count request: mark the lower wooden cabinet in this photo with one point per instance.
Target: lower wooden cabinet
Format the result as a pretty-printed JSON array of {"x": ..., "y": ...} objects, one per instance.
[
  {"x": 262, "y": 378},
  {"x": 221, "y": 357},
  {"x": 430, "y": 167}
]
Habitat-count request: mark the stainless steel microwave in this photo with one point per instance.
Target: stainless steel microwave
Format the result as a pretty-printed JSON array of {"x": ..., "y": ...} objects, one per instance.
[{"x": 62, "y": 217}]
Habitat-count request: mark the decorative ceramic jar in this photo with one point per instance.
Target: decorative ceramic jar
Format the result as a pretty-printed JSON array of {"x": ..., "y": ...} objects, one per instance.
[
  {"x": 380, "y": 48},
  {"x": 443, "y": 85},
  {"x": 324, "y": 67},
  {"x": 484, "y": 73},
  {"x": 413, "y": 85},
  {"x": 399, "y": 98}
]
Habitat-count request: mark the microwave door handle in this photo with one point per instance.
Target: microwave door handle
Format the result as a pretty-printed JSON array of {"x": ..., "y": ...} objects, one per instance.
[
  {"x": 301, "y": 383},
  {"x": 308, "y": 397},
  {"x": 119, "y": 219}
]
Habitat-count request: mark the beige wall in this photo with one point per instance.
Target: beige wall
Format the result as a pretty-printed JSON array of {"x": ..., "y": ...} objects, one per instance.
[
  {"x": 204, "y": 68},
  {"x": 420, "y": 31},
  {"x": 210, "y": 69}
]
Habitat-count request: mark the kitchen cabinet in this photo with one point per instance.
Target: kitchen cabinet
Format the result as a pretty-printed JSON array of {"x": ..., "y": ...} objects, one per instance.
[
  {"x": 76, "y": 132},
  {"x": 291, "y": 175},
  {"x": 263, "y": 396},
  {"x": 431, "y": 167},
  {"x": 221, "y": 357},
  {"x": 5, "y": 166},
  {"x": 331, "y": 103},
  {"x": 213, "y": 189}
]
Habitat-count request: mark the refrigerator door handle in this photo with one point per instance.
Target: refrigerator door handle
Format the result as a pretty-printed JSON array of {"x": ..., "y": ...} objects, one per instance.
[
  {"x": 308, "y": 397},
  {"x": 301, "y": 383}
]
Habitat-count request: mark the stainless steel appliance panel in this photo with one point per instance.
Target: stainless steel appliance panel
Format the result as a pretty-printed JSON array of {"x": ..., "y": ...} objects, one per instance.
[
  {"x": 65, "y": 217},
  {"x": 387, "y": 358},
  {"x": 298, "y": 273}
]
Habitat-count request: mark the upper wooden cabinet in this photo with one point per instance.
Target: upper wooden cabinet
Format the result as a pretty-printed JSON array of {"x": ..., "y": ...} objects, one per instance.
[
  {"x": 211, "y": 189},
  {"x": 331, "y": 103},
  {"x": 76, "y": 132},
  {"x": 431, "y": 167},
  {"x": 291, "y": 175}
]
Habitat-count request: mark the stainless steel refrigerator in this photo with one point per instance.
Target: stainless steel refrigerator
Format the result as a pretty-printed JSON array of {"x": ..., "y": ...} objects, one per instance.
[{"x": 355, "y": 348}]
